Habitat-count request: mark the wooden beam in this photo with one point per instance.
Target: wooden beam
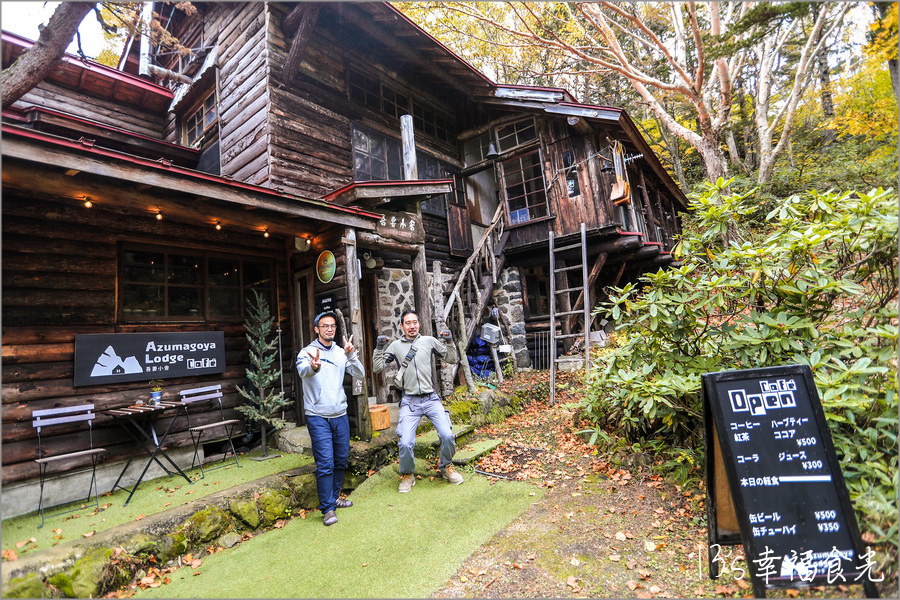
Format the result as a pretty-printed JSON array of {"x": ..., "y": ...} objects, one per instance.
[
  {"x": 360, "y": 394},
  {"x": 121, "y": 170},
  {"x": 301, "y": 38}
]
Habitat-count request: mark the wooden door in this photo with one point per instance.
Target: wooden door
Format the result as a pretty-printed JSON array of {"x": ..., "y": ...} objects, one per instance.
[{"x": 459, "y": 225}]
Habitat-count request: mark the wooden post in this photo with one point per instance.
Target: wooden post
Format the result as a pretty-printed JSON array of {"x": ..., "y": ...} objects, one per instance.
[
  {"x": 408, "y": 140},
  {"x": 461, "y": 344},
  {"x": 497, "y": 363},
  {"x": 360, "y": 394}
]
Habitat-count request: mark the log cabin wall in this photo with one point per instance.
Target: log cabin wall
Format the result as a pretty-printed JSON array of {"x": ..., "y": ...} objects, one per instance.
[
  {"x": 60, "y": 265},
  {"x": 107, "y": 112}
]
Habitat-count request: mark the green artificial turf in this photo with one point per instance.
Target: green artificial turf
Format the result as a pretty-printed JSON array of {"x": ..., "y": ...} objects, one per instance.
[
  {"x": 152, "y": 496},
  {"x": 388, "y": 545}
]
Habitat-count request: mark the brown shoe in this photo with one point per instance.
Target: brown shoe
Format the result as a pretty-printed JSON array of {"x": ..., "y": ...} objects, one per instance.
[{"x": 451, "y": 475}]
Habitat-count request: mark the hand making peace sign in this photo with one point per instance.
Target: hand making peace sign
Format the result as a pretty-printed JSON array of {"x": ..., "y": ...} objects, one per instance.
[
  {"x": 314, "y": 361},
  {"x": 348, "y": 345}
]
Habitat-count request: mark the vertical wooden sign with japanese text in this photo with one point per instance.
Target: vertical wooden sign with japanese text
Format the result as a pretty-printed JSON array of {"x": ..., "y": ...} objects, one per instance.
[{"x": 796, "y": 522}]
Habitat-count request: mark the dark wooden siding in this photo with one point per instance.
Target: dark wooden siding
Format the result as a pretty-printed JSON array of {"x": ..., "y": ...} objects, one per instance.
[
  {"x": 107, "y": 112},
  {"x": 59, "y": 280}
]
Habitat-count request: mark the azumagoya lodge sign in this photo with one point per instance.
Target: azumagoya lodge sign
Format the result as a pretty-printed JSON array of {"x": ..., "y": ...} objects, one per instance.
[{"x": 122, "y": 357}]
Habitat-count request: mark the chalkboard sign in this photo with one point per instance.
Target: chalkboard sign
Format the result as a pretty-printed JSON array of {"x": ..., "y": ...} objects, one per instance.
[{"x": 790, "y": 500}]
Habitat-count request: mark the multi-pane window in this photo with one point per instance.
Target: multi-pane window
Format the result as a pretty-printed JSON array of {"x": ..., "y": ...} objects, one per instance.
[
  {"x": 376, "y": 157},
  {"x": 475, "y": 150},
  {"x": 199, "y": 120},
  {"x": 381, "y": 97},
  {"x": 523, "y": 184},
  {"x": 515, "y": 134},
  {"x": 171, "y": 284},
  {"x": 571, "y": 170}
]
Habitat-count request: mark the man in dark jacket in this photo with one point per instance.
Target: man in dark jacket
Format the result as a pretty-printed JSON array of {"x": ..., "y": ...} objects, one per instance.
[{"x": 419, "y": 397}]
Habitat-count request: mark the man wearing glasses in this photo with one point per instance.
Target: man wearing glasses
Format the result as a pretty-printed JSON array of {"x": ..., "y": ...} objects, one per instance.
[{"x": 321, "y": 366}]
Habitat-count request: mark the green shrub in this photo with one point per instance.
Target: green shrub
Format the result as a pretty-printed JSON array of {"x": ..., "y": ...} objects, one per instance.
[{"x": 813, "y": 280}]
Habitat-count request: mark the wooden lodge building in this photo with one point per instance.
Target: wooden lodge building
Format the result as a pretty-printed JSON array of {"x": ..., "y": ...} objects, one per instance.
[{"x": 326, "y": 155}]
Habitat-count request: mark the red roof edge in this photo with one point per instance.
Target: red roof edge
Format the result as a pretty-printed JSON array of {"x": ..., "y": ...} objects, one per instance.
[
  {"x": 169, "y": 168},
  {"x": 95, "y": 67},
  {"x": 356, "y": 184}
]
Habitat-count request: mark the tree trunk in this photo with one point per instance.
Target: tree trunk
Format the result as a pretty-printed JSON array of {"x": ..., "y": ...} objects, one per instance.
[
  {"x": 38, "y": 61},
  {"x": 883, "y": 8},
  {"x": 713, "y": 159},
  {"x": 825, "y": 89},
  {"x": 265, "y": 444}
]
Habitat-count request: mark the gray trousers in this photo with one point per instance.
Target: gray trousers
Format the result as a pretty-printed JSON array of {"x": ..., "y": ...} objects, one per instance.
[{"x": 412, "y": 409}]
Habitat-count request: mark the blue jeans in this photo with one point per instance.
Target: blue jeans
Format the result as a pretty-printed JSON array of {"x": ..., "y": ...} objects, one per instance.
[
  {"x": 412, "y": 409},
  {"x": 331, "y": 449}
]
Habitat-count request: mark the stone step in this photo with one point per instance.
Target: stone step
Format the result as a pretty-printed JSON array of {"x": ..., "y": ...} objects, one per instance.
[
  {"x": 428, "y": 443},
  {"x": 469, "y": 454}
]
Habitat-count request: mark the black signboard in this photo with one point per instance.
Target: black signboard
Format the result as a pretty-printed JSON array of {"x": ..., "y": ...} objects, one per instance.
[
  {"x": 122, "y": 357},
  {"x": 325, "y": 302},
  {"x": 796, "y": 522}
]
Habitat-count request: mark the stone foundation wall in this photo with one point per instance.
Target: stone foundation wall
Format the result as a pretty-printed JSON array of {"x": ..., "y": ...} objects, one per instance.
[{"x": 508, "y": 296}]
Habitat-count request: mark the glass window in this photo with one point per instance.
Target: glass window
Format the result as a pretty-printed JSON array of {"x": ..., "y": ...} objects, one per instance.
[
  {"x": 523, "y": 184},
  {"x": 179, "y": 285},
  {"x": 475, "y": 150},
  {"x": 376, "y": 157},
  {"x": 571, "y": 171},
  {"x": 199, "y": 120},
  {"x": 515, "y": 134}
]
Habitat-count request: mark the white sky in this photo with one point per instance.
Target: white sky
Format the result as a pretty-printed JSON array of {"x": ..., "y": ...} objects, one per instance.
[{"x": 23, "y": 18}]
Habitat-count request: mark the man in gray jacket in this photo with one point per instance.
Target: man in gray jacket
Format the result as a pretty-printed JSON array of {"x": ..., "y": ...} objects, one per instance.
[
  {"x": 322, "y": 365},
  {"x": 419, "y": 397}
]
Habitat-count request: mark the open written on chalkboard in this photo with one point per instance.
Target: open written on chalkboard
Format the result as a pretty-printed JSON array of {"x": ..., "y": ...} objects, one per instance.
[{"x": 783, "y": 479}]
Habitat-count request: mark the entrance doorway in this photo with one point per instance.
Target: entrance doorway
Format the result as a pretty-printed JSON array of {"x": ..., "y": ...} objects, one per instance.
[{"x": 304, "y": 307}]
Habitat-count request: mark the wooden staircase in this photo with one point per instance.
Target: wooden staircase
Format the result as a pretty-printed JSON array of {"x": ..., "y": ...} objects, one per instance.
[{"x": 462, "y": 309}]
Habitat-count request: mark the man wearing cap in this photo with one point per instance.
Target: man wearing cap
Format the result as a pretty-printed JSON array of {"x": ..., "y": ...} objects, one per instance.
[
  {"x": 419, "y": 397},
  {"x": 321, "y": 366}
]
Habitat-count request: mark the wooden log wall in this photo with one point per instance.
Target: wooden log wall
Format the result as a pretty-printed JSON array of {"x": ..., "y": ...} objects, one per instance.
[
  {"x": 108, "y": 112},
  {"x": 59, "y": 280}
]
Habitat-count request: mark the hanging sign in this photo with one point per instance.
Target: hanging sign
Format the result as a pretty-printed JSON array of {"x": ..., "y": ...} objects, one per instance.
[
  {"x": 790, "y": 501},
  {"x": 400, "y": 226},
  {"x": 325, "y": 266},
  {"x": 121, "y": 357}
]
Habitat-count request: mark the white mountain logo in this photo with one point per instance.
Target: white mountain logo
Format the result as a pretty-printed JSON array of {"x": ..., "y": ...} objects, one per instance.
[{"x": 110, "y": 363}]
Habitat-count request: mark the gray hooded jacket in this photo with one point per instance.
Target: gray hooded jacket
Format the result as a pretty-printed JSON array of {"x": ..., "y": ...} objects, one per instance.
[{"x": 323, "y": 391}]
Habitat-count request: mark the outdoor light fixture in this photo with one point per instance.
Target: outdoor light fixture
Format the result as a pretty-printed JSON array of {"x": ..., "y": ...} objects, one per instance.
[
  {"x": 158, "y": 215},
  {"x": 87, "y": 202},
  {"x": 369, "y": 260},
  {"x": 302, "y": 244},
  {"x": 218, "y": 226},
  {"x": 492, "y": 153},
  {"x": 266, "y": 232}
]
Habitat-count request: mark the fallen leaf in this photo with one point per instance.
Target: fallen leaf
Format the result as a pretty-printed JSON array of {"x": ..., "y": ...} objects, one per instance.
[
  {"x": 649, "y": 546},
  {"x": 57, "y": 530},
  {"x": 621, "y": 536},
  {"x": 743, "y": 584},
  {"x": 188, "y": 558},
  {"x": 654, "y": 589},
  {"x": 516, "y": 566},
  {"x": 10, "y": 555},
  {"x": 167, "y": 504},
  {"x": 615, "y": 557},
  {"x": 631, "y": 564},
  {"x": 463, "y": 578},
  {"x": 88, "y": 533},
  {"x": 632, "y": 584},
  {"x": 570, "y": 581},
  {"x": 196, "y": 572},
  {"x": 139, "y": 517},
  {"x": 195, "y": 564},
  {"x": 279, "y": 524},
  {"x": 792, "y": 593},
  {"x": 868, "y": 537},
  {"x": 365, "y": 564},
  {"x": 147, "y": 580},
  {"x": 531, "y": 556},
  {"x": 575, "y": 562}
]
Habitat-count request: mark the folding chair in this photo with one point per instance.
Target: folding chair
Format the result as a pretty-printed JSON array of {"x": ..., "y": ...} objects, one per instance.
[
  {"x": 53, "y": 417},
  {"x": 212, "y": 392}
]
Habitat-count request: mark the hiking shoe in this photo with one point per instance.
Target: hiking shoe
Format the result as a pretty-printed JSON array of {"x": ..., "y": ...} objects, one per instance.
[
  {"x": 341, "y": 503},
  {"x": 406, "y": 482},
  {"x": 451, "y": 475},
  {"x": 330, "y": 518}
]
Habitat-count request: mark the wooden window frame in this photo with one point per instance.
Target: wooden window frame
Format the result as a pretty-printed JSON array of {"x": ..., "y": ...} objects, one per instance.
[
  {"x": 527, "y": 195},
  {"x": 517, "y": 131},
  {"x": 201, "y": 111},
  {"x": 205, "y": 286}
]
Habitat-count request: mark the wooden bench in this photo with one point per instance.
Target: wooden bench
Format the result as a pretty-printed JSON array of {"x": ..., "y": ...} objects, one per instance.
[
  {"x": 57, "y": 417},
  {"x": 227, "y": 426}
]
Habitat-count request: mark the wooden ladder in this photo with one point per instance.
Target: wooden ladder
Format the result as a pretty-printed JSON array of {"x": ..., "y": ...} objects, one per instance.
[{"x": 570, "y": 318}]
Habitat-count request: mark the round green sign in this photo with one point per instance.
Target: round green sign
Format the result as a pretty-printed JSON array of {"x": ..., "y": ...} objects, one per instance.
[{"x": 325, "y": 266}]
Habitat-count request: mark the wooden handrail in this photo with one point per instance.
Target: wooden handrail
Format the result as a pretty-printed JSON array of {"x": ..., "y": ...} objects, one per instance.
[{"x": 476, "y": 254}]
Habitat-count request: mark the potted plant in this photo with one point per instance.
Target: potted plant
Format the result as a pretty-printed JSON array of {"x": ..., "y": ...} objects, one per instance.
[{"x": 155, "y": 391}]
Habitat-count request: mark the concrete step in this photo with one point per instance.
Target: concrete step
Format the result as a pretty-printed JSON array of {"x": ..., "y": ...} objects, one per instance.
[{"x": 471, "y": 453}]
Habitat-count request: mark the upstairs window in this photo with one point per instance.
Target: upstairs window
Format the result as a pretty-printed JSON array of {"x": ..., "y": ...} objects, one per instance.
[
  {"x": 376, "y": 157},
  {"x": 515, "y": 135},
  {"x": 199, "y": 121},
  {"x": 523, "y": 185}
]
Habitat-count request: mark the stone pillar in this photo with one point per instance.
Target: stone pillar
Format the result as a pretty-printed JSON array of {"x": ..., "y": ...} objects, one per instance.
[{"x": 512, "y": 308}]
